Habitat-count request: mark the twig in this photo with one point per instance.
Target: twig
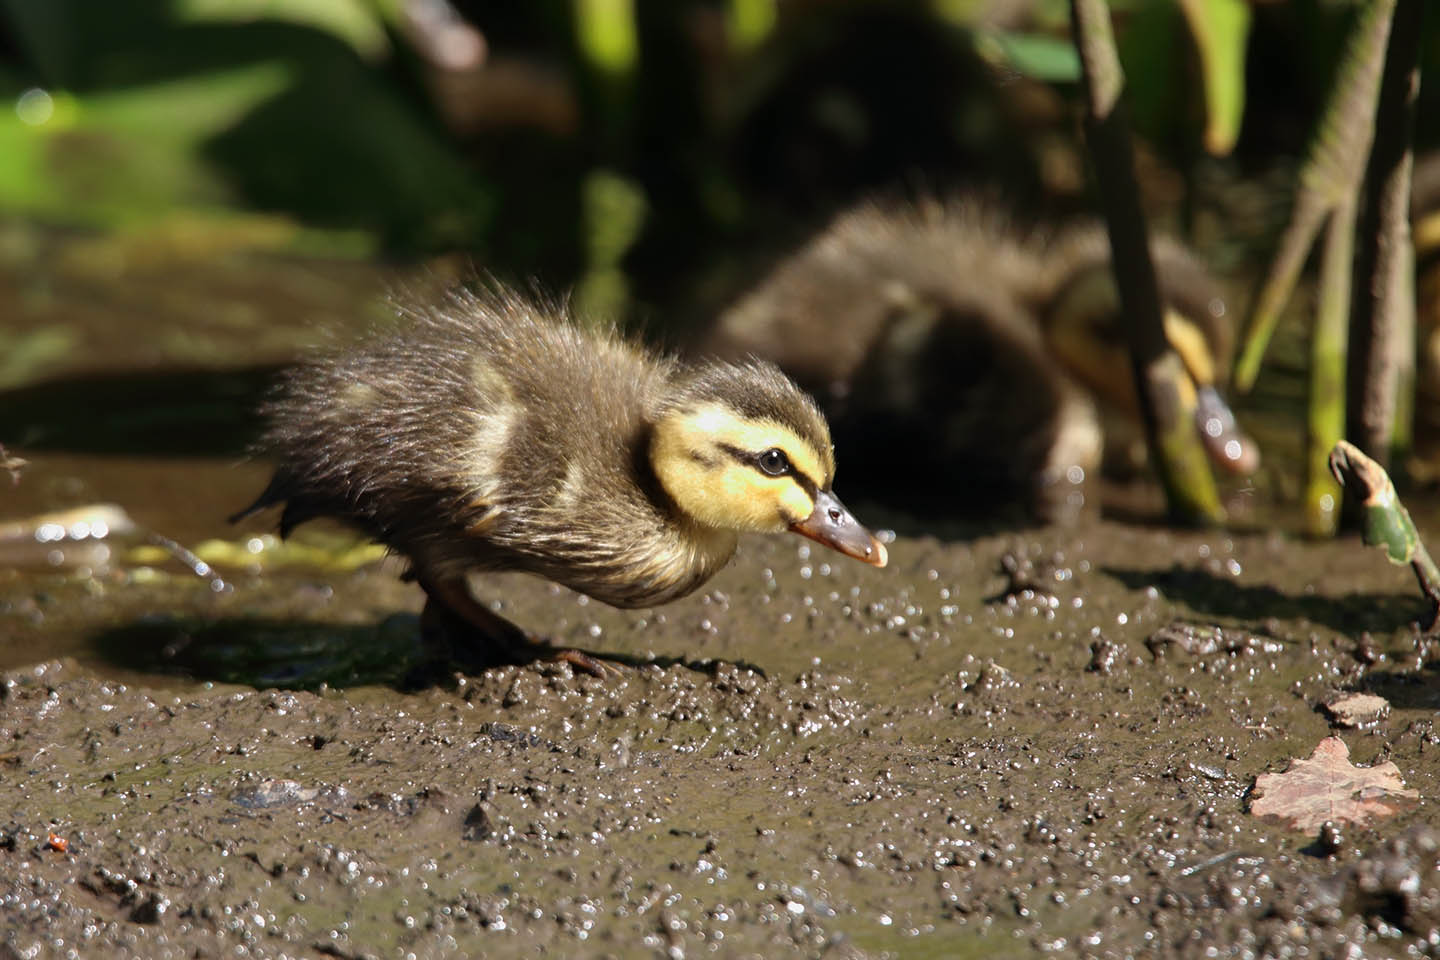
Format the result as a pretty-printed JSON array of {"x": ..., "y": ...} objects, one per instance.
[{"x": 196, "y": 566}]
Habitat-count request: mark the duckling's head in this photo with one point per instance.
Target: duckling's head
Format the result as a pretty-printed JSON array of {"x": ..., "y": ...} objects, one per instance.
[
  {"x": 740, "y": 447},
  {"x": 1085, "y": 328}
]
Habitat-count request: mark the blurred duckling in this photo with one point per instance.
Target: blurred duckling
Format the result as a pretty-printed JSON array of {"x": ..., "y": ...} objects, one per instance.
[
  {"x": 966, "y": 356},
  {"x": 492, "y": 434},
  {"x": 1425, "y": 235}
]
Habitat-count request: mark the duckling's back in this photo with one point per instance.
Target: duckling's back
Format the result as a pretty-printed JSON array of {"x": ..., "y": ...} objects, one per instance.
[
  {"x": 916, "y": 327},
  {"x": 488, "y": 433},
  {"x": 822, "y": 312}
]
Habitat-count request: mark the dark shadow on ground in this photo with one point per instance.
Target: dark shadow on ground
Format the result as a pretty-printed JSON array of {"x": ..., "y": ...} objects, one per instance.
[
  {"x": 196, "y": 412},
  {"x": 290, "y": 654},
  {"x": 306, "y": 655},
  {"x": 1210, "y": 594}
]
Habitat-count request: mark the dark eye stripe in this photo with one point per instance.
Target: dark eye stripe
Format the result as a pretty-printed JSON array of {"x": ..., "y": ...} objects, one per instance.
[
  {"x": 750, "y": 460},
  {"x": 805, "y": 482}
]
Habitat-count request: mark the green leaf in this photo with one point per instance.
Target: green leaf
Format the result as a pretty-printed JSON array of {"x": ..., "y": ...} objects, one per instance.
[
  {"x": 1037, "y": 55},
  {"x": 356, "y": 22},
  {"x": 1388, "y": 525},
  {"x": 1222, "y": 30},
  {"x": 123, "y": 155}
]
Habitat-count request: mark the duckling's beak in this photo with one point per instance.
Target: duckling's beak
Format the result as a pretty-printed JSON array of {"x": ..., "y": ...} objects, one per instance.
[
  {"x": 831, "y": 524},
  {"x": 1228, "y": 447}
]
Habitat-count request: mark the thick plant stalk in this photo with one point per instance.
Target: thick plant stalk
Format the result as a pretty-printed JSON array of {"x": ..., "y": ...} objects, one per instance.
[
  {"x": 1383, "y": 328},
  {"x": 1385, "y": 522},
  {"x": 1329, "y": 178},
  {"x": 1167, "y": 396},
  {"x": 1327, "y": 372}
]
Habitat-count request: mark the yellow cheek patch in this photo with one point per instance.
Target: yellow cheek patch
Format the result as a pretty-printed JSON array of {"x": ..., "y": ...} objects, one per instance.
[
  {"x": 745, "y": 500},
  {"x": 1189, "y": 341},
  {"x": 795, "y": 503}
]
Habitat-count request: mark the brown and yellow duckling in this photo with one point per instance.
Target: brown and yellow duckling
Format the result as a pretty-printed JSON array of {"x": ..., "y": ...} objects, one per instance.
[
  {"x": 492, "y": 434},
  {"x": 967, "y": 355},
  {"x": 1425, "y": 235}
]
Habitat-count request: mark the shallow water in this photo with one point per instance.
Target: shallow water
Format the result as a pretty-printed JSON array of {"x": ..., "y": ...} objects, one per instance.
[{"x": 809, "y": 756}]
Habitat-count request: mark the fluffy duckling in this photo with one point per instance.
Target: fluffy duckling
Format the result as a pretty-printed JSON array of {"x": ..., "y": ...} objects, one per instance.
[
  {"x": 1425, "y": 235},
  {"x": 492, "y": 434},
  {"x": 975, "y": 351}
]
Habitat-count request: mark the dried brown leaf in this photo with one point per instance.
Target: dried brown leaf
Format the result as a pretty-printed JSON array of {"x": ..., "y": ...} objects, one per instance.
[{"x": 1329, "y": 787}]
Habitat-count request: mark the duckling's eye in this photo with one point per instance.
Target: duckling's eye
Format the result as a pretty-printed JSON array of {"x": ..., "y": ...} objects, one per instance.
[{"x": 774, "y": 462}]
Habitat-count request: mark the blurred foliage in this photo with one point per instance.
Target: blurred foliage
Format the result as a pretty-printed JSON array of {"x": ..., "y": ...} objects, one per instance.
[
  {"x": 1221, "y": 29},
  {"x": 1158, "y": 38},
  {"x": 160, "y": 105},
  {"x": 641, "y": 150}
]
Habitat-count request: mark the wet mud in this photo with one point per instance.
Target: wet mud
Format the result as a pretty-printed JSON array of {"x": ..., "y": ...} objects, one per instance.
[{"x": 1015, "y": 744}]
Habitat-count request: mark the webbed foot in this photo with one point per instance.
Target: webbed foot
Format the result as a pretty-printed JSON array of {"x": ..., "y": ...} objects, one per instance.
[{"x": 474, "y": 637}]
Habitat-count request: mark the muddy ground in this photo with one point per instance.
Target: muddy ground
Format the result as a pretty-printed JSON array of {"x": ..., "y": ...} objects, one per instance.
[
  {"x": 1003, "y": 744},
  {"x": 937, "y": 759}
]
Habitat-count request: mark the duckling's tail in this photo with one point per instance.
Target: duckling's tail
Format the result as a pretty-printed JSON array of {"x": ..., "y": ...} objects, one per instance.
[
  {"x": 281, "y": 490},
  {"x": 260, "y": 504}
]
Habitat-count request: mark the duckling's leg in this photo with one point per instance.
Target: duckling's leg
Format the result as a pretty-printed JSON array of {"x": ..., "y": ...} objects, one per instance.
[{"x": 450, "y": 608}]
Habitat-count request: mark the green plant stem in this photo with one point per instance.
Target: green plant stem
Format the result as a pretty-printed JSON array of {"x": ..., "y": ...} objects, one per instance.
[
  {"x": 1327, "y": 371},
  {"x": 1329, "y": 177},
  {"x": 1166, "y": 397}
]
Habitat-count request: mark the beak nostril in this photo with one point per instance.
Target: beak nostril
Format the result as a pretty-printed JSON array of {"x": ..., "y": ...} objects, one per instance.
[{"x": 835, "y": 515}]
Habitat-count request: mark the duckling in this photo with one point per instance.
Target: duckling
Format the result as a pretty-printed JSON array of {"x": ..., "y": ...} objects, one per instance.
[
  {"x": 1425, "y": 236},
  {"x": 972, "y": 349},
  {"x": 492, "y": 433}
]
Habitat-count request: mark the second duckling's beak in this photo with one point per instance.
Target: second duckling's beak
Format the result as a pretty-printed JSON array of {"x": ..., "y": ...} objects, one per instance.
[
  {"x": 833, "y": 525},
  {"x": 1227, "y": 445}
]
